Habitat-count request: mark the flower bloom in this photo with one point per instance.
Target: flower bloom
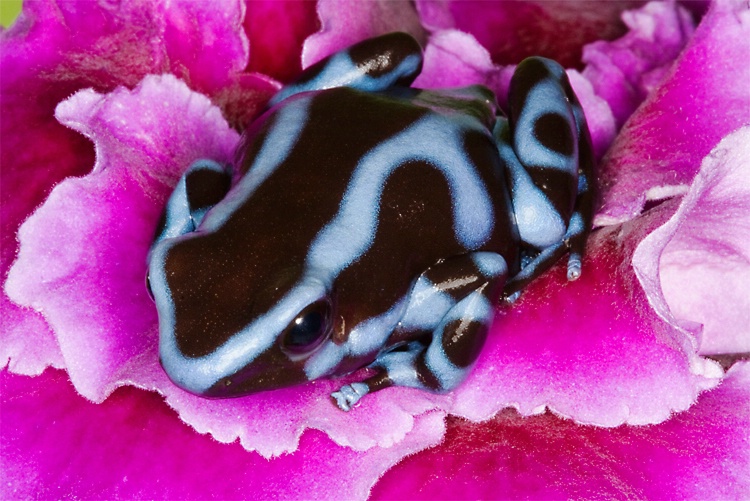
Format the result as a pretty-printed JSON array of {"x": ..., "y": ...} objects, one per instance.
[{"x": 597, "y": 387}]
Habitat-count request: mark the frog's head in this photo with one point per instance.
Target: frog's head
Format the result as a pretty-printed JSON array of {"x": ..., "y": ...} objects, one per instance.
[{"x": 221, "y": 335}]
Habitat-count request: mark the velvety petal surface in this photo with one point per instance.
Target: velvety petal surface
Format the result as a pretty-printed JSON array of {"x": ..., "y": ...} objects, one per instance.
[
  {"x": 56, "y": 48},
  {"x": 703, "y": 98},
  {"x": 512, "y": 31},
  {"x": 54, "y": 444},
  {"x": 626, "y": 70},
  {"x": 343, "y": 23},
  {"x": 703, "y": 453},
  {"x": 593, "y": 350},
  {"x": 82, "y": 264},
  {"x": 277, "y": 29},
  {"x": 704, "y": 258}
]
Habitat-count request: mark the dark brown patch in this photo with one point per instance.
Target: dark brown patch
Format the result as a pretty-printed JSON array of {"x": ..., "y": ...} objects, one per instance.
[
  {"x": 527, "y": 75},
  {"x": 554, "y": 132},
  {"x": 205, "y": 188},
  {"x": 425, "y": 375},
  {"x": 463, "y": 341}
]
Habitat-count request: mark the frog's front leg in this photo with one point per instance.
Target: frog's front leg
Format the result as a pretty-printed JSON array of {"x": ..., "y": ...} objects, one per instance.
[
  {"x": 204, "y": 184},
  {"x": 450, "y": 310},
  {"x": 546, "y": 146}
]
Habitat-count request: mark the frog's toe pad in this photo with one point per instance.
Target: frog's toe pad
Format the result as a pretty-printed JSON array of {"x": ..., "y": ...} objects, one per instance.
[
  {"x": 349, "y": 395},
  {"x": 574, "y": 267}
]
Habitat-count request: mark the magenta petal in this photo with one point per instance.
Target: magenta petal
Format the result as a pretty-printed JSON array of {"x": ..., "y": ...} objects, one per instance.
[
  {"x": 593, "y": 350},
  {"x": 344, "y": 23},
  {"x": 277, "y": 29},
  {"x": 512, "y": 31},
  {"x": 703, "y": 453},
  {"x": 82, "y": 260},
  {"x": 704, "y": 98},
  {"x": 54, "y": 444},
  {"x": 704, "y": 250},
  {"x": 624, "y": 71}
]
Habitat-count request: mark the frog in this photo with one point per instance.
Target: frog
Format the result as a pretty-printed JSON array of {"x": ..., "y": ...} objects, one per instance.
[{"x": 368, "y": 228}]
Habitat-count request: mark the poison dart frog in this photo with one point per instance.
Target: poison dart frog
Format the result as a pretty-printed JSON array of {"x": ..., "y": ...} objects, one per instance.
[{"x": 369, "y": 224}]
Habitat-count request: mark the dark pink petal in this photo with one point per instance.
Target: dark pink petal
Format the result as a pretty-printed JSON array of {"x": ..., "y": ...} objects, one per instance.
[
  {"x": 344, "y": 23},
  {"x": 704, "y": 98},
  {"x": 83, "y": 264},
  {"x": 512, "y": 31},
  {"x": 703, "y": 252},
  {"x": 593, "y": 350},
  {"x": 700, "y": 454},
  {"x": 277, "y": 29},
  {"x": 54, "y": 444},
  {"x": 626, "y": 70}
]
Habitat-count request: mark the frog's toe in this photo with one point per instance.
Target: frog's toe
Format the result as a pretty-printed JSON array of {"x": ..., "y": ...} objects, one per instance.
[
  {"x": 574, "y": 266},
  {"x": 349, "y": 395}
]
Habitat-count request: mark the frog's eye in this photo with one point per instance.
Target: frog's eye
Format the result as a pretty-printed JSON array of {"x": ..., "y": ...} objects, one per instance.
[{"x": 309, "y": 328}]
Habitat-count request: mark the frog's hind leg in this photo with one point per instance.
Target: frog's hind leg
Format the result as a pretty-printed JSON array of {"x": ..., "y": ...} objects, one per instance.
[
  {"x": 203, "y": 185},
  {"x": 546, "y": 146},
  {"x": 451, "y": 307}
]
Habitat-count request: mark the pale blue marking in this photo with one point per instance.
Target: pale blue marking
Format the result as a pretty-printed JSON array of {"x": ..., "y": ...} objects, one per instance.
[
  {"x": 427, "y": 305},
  {"x": 342, "y": 72},
  {"x": 545, "y": 97},
  {"x": 350, "y": 234},
  {"x": 401, "y": 365},
  {"x": 490, "y": 264},
  {"x": 349, "y": 395},
  {"x": 178, "y": 221},
  {"x": 539, "y": 223}
]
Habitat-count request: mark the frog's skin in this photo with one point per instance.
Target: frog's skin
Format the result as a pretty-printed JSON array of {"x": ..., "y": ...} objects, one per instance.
[{"x": 368, "y": 224}]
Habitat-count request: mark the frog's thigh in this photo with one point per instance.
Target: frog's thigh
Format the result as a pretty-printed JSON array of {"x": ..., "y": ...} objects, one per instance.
[
  {"x": 452, "y": 303},
  {"x": 203, "y": 185}
]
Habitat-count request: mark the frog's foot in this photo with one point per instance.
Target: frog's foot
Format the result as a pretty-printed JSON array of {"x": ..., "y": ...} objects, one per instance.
[
  {"x": 546, "y": 147},
  {"x": 349, "y": 395}
]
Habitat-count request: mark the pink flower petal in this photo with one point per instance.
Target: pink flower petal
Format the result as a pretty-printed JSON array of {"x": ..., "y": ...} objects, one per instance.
[
  {"x": 703, "y": 99},
  {"x": 512, "y": 31},
  {"x": 592, "y": 350},
  {"x": 700, "y": 454},
  {"x": 626, "y": 70},
  {"x": 344, "y": 23},
  {"x": 455, "y": 59},
  {"x": 705, "y": 251},
  {"x": 277, "y": 29},
  {"x": 82, "y": 260},
  {"x": 54, "y": 444}
]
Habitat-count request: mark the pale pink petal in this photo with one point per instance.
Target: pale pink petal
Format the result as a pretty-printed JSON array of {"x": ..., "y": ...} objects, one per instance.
[
  {"x": 512, "y": 31},
  {"x": 626, "y": 70},
  {"x": 54, "y": 444},
  {"x": 82, "y": 260},
  {"x": 592, "y": 350},
  {"x": 703, "y": 453},
  {"x": 344, "y": 23},
  {"x": 704, "y": 250},
  {"x": 705, "y": 97},
  {"x": 277, "y": 29},
  {"x": 455, "y": 59}
]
